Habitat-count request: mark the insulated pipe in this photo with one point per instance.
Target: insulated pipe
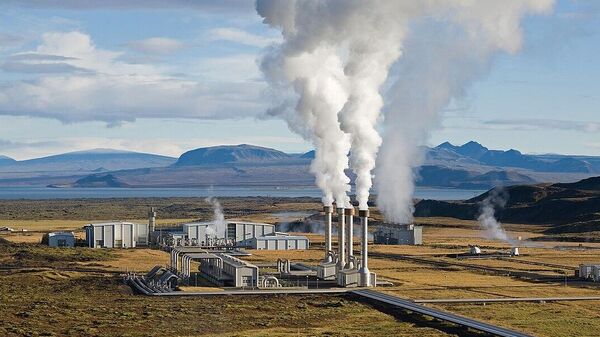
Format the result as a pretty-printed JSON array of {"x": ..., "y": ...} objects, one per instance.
[
  {"x": 341, "y": 239},
  {"x": 349, "y": 213},
  {"x": 328, "y": 210},
  {"x": 365, "y": 275}
]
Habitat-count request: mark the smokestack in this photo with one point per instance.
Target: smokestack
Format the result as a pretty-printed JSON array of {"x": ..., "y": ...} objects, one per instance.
[
  {"x": 349, "y": 212},
  {"x": 341, "y": 239},
  {"x": 365, "y": 275},
  {"x": 328, "y": 210},
  {"x": 151, "y": 223}
]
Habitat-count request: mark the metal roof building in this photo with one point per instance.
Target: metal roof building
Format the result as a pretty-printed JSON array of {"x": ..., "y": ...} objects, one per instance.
[
  {"x": 277, "y": 241},
  {"x": 399, "y": 235},
  {"x": 116, "y": 235},
  {"x": 226, "y": 270},
  {"x": 240, "y": 230},
  {"x": 59, "y": 239}
]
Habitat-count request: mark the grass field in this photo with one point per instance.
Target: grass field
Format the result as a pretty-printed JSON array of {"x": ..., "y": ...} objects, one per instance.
[{"x": 76, "y": 292}]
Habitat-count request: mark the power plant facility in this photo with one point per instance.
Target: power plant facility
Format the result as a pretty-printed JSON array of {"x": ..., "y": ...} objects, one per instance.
[
  {"x": 398, "y": 235},
  {"x": 342, "y": 265},
  {"x": 212, "y": 254}
]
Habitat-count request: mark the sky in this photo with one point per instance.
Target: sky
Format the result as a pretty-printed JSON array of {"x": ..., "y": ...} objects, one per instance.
[{"x": 165, "y": 77}]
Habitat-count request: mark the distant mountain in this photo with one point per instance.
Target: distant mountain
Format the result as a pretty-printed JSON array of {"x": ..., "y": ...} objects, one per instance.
[
  {"x": 89, "y": 161},
  {"x": 476, "y": 154},
  {"x": 243, "y": 153},
  {"x": 309, "y": 155},
  {"x": 4, "y": 160},
  {"x": 470, "y": 165}
]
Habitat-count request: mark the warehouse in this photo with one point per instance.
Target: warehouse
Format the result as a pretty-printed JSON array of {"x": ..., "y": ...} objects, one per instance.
[
  {"x": 195, "y": 232},
  {"x": 240, "y": 231},
  {"x": 277, "y": 241},
  {"x": 116, "y": 235},
  {"x": 59, "y": 239},
  {"x": 399, "y": 235},
  {"x": 226, "y": 270}
]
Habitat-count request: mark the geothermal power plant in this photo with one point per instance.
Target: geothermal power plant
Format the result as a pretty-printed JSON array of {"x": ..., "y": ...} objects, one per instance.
[{"x": 202, "y": 256}]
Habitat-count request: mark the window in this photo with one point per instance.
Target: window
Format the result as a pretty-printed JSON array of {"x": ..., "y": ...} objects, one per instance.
[
  {"x": 231, "y": 231},
  {"x": 246, "y": 281}
]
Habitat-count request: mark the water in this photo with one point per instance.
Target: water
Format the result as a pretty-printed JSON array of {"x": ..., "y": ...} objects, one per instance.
[{"x": 217, "y": 191}]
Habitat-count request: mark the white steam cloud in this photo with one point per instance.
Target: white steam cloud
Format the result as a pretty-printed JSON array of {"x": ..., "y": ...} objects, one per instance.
[
  {"x": 218, "y": 225},
  {"x": 338, "y": 56},
  {"x": 487, "y": 209}
]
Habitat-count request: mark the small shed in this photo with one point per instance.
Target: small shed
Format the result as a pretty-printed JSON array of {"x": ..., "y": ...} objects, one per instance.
[{"x": 59, "y": 239}]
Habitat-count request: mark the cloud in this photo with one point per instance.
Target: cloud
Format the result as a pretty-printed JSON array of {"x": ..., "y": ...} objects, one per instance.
[
  {"x": 240, "y": 36},
  {"x": 553, "y": 124},
  {"x": 39, "y": 63},
  {"x": 55, "y": 67},
  {"x": 156, "y": 45},
  {"x": 203, "y": 5},
  {"x": 113, "y": 91},
  {"x": 9, "y": 40}
]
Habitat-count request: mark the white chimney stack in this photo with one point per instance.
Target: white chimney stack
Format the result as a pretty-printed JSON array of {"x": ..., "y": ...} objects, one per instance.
[
  {"x": 365, "y": 274},
  {"x": 151, "y": 223},
  {"x": 341, "y": 239},
  {"x": 328, "y": 212},
  {"x": 349, "y": 212}
]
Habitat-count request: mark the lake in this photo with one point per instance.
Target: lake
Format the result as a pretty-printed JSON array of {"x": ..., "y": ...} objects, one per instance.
[{"x": 216, "y": 191}]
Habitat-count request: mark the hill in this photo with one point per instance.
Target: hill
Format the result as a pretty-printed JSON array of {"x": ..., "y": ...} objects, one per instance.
[
  {"x": 89, "y": 161},
  {"x": 4, "y": 160},
  {"x": 243, "y": 153},
  {"x": 568, "y": 207}
]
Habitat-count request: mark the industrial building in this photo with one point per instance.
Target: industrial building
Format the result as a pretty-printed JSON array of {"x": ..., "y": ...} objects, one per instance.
[
  {"x": 235, "y": 234},
  {"x": 590, "y": 272},
  {"x": 399, "y": 235},
  {"x": 226, "y": 270},
  {"x": 59, "y": 239},
  {"x": 116, "y": 235},
  {"x": 276, "y": 241},
  {"x": 239, "y": 231}
]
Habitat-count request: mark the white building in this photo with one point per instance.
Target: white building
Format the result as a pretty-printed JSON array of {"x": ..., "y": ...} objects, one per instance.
[
  {"x": 399, "y": 235},
  {"x": 277, "y": 241},
  {"x": 59, "y": 239},
  {"x": 195, "y": 232},
  {"x": 239, "y": 231},
  {"x": 590, "y": 272},
  {"x": 116, "y": 235}
]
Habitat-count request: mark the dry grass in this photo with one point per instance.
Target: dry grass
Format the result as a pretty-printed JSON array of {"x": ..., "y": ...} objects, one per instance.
[
  {"x": 291, "y": 316},
  {"x": 136, "y": 260}
]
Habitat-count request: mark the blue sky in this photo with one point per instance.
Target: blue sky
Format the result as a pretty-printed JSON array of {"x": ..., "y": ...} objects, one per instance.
[{"x": 169, "y": 76}]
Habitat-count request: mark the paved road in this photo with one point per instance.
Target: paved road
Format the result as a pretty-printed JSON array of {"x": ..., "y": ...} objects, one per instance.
[{"x": 439, "y": 314}]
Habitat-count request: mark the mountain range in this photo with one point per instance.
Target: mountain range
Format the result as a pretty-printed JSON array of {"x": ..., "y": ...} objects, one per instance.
[{"x": 471, "y": 165}]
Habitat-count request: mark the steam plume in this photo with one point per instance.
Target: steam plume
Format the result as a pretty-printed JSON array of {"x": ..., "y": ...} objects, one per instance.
[
  {"x": 336, "y": 56},
  {"x": 218, "y": 226},
  {"x": 487, "y": 209}
]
